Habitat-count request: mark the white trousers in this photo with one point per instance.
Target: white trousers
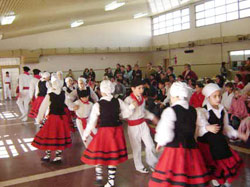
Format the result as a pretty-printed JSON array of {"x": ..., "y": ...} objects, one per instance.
[
  {"x": 81, "y": 132},
  {"x": 136, "y": 135},
  {"x": 7, "y": 91},
  {"x": 23, "y": 102}
]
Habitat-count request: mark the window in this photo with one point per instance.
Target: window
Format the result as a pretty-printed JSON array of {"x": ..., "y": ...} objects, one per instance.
[
  {"x": 171, "y": 22},
  {"x": 218, "y": 11},
  {"x": 158, "y": 6},
  {"x": 238, "y": 58}
]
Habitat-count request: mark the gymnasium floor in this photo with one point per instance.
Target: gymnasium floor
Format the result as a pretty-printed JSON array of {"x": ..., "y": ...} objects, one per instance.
[{"x": 20, "y": 164}]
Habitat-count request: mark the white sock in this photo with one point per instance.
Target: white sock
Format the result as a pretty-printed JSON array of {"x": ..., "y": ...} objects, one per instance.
[
  {"x": 111, "y": 176},
  {"x": 98, "y": 171}
]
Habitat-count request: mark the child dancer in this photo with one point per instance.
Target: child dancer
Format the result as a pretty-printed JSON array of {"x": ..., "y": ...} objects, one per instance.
[
  {"x": 138, "y": 129},
  {"x": 181, "y": 163},
  {"x": 108, "y": 146},
  {"x": 23, "y": 98},
  {"x": 82, "y": 108},
  {"x": 41, "y": 92},
  {"x": 213, "y": 124},
  {"x": 69, "y": 87},
  {"x": 33, "y": 83},
  {"x": 82, "y": 85},
  {"x": 55, "y": 134}
]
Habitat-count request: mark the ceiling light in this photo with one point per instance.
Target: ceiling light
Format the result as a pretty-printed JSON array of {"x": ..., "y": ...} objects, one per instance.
[
  {"x": 139, "y": 15},
  {"x": 77, "y": 23},
  {"x": 114, "y": 5},
  {"x": 184, "y": 1},
  {"x": 7, "y": 20}
]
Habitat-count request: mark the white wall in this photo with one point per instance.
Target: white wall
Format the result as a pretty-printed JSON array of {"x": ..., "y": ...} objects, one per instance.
[
  {"x": 130, "y": 33},
  {"x": 96, "y": 61}
]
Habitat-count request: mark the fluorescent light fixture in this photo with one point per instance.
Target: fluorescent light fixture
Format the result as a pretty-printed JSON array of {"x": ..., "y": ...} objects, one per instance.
[
  {"x": 139, "y": 15},
  {"x": 77, "y": 23},
  {"x": 114, "y": 5},
  {"x": 184, "y": 1},
  {"x": 7, "y": 20}
]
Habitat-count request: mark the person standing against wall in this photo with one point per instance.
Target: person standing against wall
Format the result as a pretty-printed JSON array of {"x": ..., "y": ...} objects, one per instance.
[
  {"x": 23, "y": 97},
  {"x": 7, "y": 86}
]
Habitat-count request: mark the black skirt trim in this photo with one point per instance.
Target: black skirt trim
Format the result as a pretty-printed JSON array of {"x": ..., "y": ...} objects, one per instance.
[
  {"x": 182, "y": 174},
  {"x": 42, "y": 144},
  {"x": 105, "y": 159},
  {"x": 175, "y": 183},
  {"x": 106, "y": 152},
  {"x": 231, "y": 173},
  {"x": 53, "y": 138}
]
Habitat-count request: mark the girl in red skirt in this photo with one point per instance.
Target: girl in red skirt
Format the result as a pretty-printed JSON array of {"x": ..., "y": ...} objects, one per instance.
[
  {"x": 55, "y": 134},
  {"x": 108, "y": 146},
  {"x": 213, "y": 124},
  {"x": 41, "y": 91},
  {"x": 181, "y": 163}
]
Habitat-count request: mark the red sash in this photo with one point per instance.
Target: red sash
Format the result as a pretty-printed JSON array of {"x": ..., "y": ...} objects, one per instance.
[{"x": 135, "y": 122}]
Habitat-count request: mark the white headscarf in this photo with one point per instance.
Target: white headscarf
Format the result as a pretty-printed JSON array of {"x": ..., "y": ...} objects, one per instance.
[
  {"x": 179, "y": 89},
  {"x": 209, "y": 89},
  {"x": 45, "y": 75},
  {"x": 67, "y": 79},
  {"x": 107, "y": 87}
]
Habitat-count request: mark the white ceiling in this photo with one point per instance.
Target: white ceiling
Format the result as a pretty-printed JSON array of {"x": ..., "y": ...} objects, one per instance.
[{"x": 36, "y": 16}]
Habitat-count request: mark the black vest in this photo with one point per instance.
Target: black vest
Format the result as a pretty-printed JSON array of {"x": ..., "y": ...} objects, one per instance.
[
  {"x": 184, "y": 127},
  {"x": 57, "y": 103},
  {"x": 68, "y": 89},
  {"x": 42, "y": 88},
  {"x": 109, "y": 113},
  {"x": 217, "y": 142}
]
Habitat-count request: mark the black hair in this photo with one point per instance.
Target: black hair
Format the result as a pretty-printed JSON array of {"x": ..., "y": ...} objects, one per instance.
[
  {"x": 199, "y": 84},
  {"x": 229, "y": 85},
  {"x": 171, "y": 68},
  {"x": 239, "y": 77},
  {"x": 7, "y": 72}
]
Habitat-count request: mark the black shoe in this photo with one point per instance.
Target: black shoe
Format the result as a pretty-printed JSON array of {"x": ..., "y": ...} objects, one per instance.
[
  {"x": 98, "y": 182},
  {"x": 57, "y": 160},
  {"x": 46, "y": 158}
]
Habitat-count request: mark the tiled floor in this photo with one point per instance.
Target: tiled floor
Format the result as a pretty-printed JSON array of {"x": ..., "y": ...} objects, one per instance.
[{"x": 20, "y": 164}]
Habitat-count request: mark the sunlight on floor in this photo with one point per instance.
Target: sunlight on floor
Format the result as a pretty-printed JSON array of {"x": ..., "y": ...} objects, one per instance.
[
  {"x": 8, "y": 149},
  {"x": 8, "y": 115}
]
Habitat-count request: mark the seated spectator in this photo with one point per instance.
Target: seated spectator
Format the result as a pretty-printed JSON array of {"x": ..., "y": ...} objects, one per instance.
[
  {"x": 170, "y": 72},
  {"x": 188, "y": 73},
  {"x": 129, "y": 74},
  {"x": 86, "y": 73},
  {"x": 161, "y": 91},
  {"x": 120, "y": 90},
  {"x": 227, "y": 96},
  {"x": 180, "y": 78},
  {"x": 238, "y": 81},
  {"x": 220, "y": 81},
  {"x": 117, "y": 70},
  {"x": 92, "y": 74},
  {"x": 137, "y": 73},
  {"x": 171, "y": 78},
  {"x": 238, "y": 109},
  {"x": 159, "y": 71},
  {"x": 197, "y": 98}
]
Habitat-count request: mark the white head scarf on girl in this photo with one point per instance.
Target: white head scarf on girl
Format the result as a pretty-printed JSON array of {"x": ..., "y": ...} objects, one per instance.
[
  {"x": 45, "y": 75},
  {"x": 55, "y": 85},
  {"x": 210, "y": 89},
  {"x": 179, "y": 89},
  {"x": 107, "y": 87},
  {"x": 68, "y": 79}
]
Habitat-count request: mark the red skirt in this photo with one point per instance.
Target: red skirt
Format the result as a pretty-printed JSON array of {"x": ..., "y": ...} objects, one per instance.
[
  {"x": 54, "y": 135},
  {"x": 69, "y": 119},
  {"x": 224, "y": 170},
  {"x": 179, "y": 167},
  {"x": 108, "y": 147},
  {"x": 35, "y": 106}
]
